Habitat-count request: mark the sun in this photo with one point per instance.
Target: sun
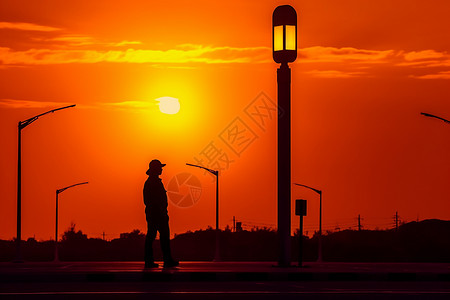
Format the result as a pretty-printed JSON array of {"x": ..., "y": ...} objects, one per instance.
[{"x": 168, "y": 105}]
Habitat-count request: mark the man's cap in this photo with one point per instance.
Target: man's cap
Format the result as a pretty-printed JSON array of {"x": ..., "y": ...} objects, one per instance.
[{"x": 154, "y": 164}]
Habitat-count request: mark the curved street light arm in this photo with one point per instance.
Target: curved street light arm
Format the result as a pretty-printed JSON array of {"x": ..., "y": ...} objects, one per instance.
[
  {"x": 215, "y": 172},
  {"x": 436, "y": 117},
  {"x": 308, "y": 187},
  {"x": 70, "y": 186},
  {"x": 23, "y": 124}
]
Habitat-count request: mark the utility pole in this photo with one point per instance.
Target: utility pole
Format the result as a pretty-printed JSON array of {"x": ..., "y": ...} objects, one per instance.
[
  {"x": 359, "y": 223},
  {"x": 103, "y": 235},
  {"x": 396, "y": 220},
  {"x": 234, "y": 224}
]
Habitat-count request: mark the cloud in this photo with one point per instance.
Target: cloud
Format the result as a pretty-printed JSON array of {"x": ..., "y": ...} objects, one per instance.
[
  {"x": 440, "y": 75},
  {"x": 182, "y": 54},
  {"x": 347, "y": 62},
  {"x": 319, "y": 54},
  {"x": 126, "y": 43},
  {"x": 14, "y": 103},
  {"x": 423, "y": 55},
  {"x": 425, "y": 59},
  {"x": 334, "y": 74},
  {"x": 121, "y": 106},
  {"x": 317, "y": 61},
  {"x": 186, "y": 53},
  {"x": 27, "y": 26},
  {"x": 189, "y": 53},
  {"x": 129, "y": 104},
  {"x": 17, "y": 103},
  {"x": 76, "y": 40}
]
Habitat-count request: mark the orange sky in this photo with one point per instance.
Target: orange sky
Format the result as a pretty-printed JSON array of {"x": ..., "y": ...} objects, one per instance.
[{"x": 365, "y": 71}]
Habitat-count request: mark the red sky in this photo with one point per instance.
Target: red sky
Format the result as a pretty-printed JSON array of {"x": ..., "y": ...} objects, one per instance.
[{"x": 365, "y": 71}]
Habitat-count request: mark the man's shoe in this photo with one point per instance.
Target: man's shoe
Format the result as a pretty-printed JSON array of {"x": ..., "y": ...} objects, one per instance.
[
  {"x": 151, "y": 265},
  {"x": 171, "y": 264}
]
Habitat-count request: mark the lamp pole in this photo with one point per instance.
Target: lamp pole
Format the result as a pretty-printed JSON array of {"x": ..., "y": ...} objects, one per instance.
[
  {"x": 284, "y": 21},
  {"x": 22, "y": 125},
  {"x": 216, "y": 173},
  {"x": 59, "y": 191},
  {"x": 319, "y": 255},
  {"x": 436, "y": 117}
]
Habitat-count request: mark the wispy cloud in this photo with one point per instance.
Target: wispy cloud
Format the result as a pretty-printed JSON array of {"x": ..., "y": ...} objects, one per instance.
[
  {"x": 129, "y": 104},
  {"x": 126, "y": 43},
  {"x": 182, "y": 54},
  {"x": 334, "y": 74},
  {"x": 122, "y": 105},
  {"x": 318, "y": 61},
  {"x": 425, "y": 59},
  {"x": 76, "y": 40},
  {"x": 440, "y": 75},
  {"x": 14, "y": 103},
  {"x": 27, "y": 26},
  {"x": 424, "y": 55},
  {"x": 189, "y": 53},
  {"x": 319, "y": 54},
  {"x": 347, "y": 61}
]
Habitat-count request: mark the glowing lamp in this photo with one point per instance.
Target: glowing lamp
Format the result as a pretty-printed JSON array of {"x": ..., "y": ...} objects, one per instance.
[{"x": 284, "y": 37}]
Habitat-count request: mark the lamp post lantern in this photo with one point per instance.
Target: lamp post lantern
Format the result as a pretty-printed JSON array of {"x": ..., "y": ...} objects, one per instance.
[
  {"x": 284, "y": 42},
  {"x": 284, "y": 35},
  {"x": 22, "y": 125},
  {"x": 59, "y": 191},
  {"x": 216, "y": 173}
]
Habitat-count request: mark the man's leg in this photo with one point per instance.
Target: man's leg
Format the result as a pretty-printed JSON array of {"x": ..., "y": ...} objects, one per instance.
[
  {"x": 164, "y": 237},
  {"x": 151, "y": 235}
]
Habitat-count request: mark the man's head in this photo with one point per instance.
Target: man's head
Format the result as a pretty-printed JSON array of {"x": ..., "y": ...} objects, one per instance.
[{"x": 155, "y": 167}]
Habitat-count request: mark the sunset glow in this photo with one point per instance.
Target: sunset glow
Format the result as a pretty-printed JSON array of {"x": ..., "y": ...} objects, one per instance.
[{"x": 195, "y": 81}]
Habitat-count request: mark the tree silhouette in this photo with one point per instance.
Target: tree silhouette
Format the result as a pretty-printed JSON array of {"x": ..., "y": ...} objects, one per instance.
[{"x": 71, "y": 235}]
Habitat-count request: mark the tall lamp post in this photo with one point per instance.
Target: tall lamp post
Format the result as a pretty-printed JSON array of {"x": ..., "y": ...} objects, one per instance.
[
  {"x": 216, "y": 173},
  {"x": 436, "y": 117},
  {"x": 22, "y": 125},
  {"x": 319, "y": 255},
  {"x": 284, "y": 41},
  {"x": 59, "y": 191}
]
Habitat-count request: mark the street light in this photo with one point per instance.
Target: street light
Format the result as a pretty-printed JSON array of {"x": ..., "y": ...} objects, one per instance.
[
  {"x": 59, "y": 191},
  {"x": 436, "y": 117},
  {"x": 22, "y": 125},
  {"x": 284, "y": 41},
  {"x": 319, "y": 255},
  {"x": 216, "y": 173},
  {"x": 284, "y": 34}
]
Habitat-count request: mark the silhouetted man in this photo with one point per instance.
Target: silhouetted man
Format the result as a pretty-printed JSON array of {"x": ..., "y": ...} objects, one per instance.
[{"x": 155, "y": 200}]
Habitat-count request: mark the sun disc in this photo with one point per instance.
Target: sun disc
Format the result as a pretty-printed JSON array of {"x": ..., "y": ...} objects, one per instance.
[{"x": 168, "y": 105}]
